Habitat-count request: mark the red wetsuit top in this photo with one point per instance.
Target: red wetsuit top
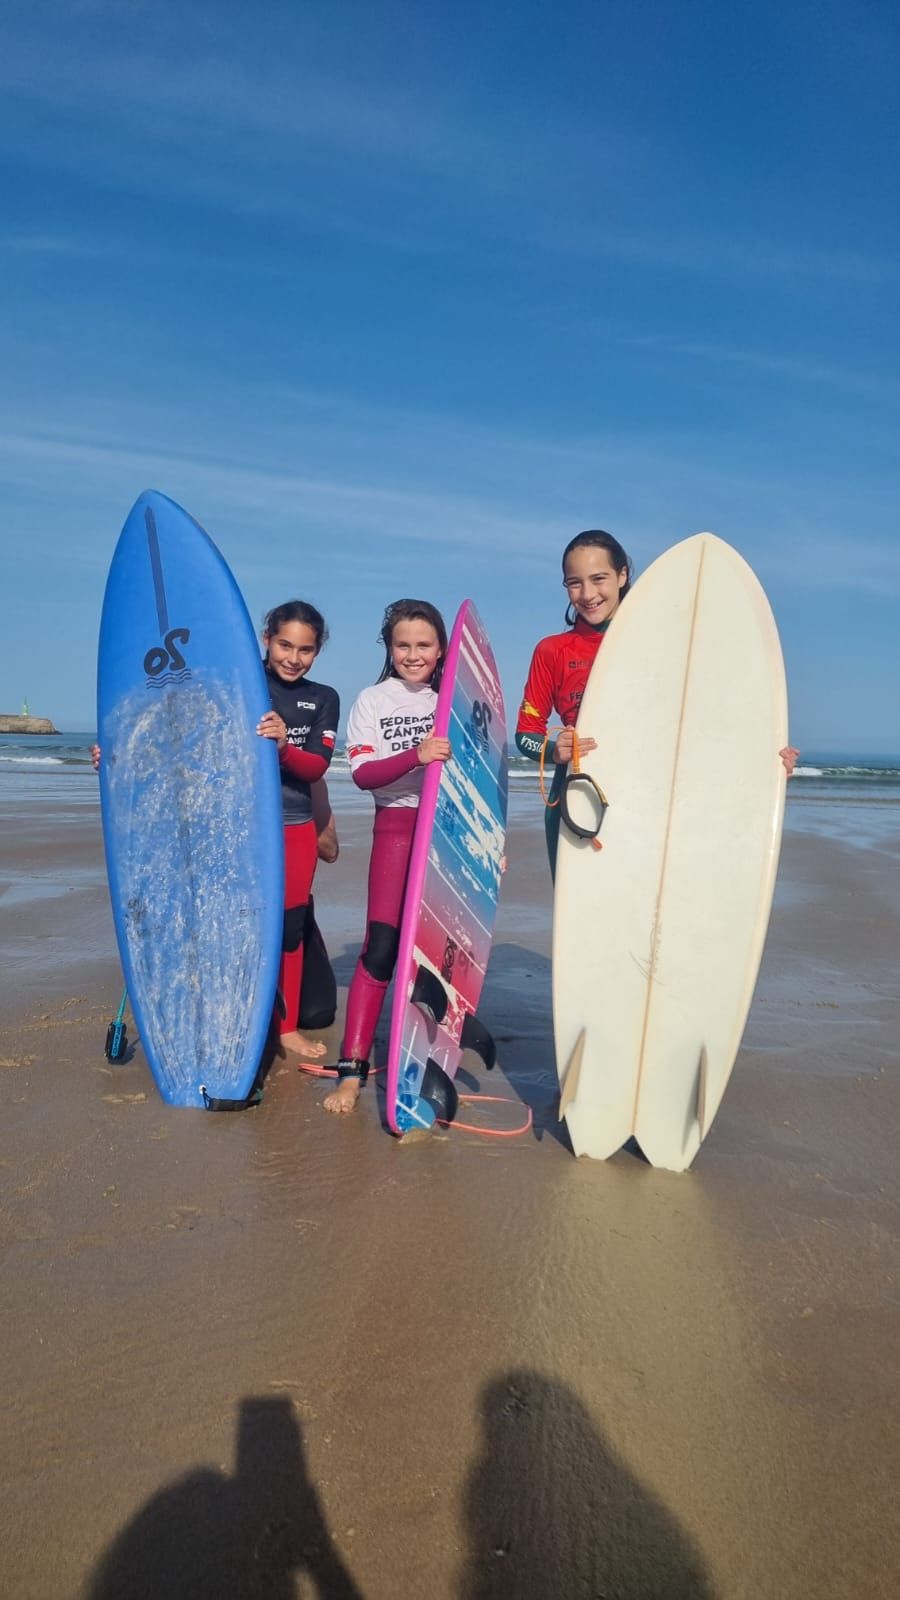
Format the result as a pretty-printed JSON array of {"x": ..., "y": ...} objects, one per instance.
[{"x": 556, "y": 679}]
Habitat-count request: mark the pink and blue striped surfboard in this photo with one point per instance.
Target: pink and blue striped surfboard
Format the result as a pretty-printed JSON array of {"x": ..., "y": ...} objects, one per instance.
[{"x": 452, "y": 889}]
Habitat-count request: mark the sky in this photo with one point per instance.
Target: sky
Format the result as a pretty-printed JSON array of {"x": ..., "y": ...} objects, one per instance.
[{"x": 396, "y": 298}]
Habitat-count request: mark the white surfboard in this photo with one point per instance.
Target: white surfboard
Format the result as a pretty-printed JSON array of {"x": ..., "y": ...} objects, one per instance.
[{"x": 658, "y": 935}]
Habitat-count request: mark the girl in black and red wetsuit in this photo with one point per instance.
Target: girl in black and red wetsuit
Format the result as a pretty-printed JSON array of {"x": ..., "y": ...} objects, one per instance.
[
  {"x": 303, "y": 721},
  {"x": 597, "y": 575},
  {"x": 389, "y": 743}
]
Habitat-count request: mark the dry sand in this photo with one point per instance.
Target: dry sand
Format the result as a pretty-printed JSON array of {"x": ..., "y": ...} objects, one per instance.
[{"x": 279, "y": 1354}]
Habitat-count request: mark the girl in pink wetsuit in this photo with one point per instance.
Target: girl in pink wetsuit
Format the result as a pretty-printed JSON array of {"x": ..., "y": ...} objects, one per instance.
[{"x": 389, "y": 744}]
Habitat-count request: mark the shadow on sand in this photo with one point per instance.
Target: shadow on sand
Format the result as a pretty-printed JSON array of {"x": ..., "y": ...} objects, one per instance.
[
  {"x": 517, "y": 1007},
  {"x": 246, "y": 1537},
  {"x": 551, "y": 1511}
]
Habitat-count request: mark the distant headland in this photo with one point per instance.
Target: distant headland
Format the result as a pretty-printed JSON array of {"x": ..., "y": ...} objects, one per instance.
[{"x": 26, "y": 725}]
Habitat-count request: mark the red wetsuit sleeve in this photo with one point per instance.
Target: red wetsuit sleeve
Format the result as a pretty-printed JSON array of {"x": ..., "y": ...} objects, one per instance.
[
  {"x": 537, "y": 704},
  {"x": 537, "y": 700},
  {"x": 302, "y": 764},
  {"x": 377, "y": 774}
]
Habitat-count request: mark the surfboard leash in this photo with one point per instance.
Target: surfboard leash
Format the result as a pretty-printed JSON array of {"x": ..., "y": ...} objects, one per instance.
[
  {"x": 117, "y": 1034},
  {"x": 490, "y": 1133},
  {"x": 548, "y": 739},
  {"x": 575, "y": 776},
  {"x": 464, "y": 1099},
  {"x": 331, "y": 1072}
]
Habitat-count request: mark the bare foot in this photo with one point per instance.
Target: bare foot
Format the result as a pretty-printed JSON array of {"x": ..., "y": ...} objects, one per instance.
[
  {"x": 344, "y": 1097},
  {"x": 311, "y": 1049}
]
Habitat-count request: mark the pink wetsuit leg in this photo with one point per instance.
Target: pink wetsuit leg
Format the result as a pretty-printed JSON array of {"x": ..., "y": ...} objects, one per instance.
[{"x": 388, "y": 866}]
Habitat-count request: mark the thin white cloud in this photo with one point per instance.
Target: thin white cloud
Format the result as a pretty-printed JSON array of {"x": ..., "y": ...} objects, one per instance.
[
  {"x": 278, "y": 109},
  {"x": 201, "y": 116},
  {"x": 798, "y": 368},
  {"x": 48, "y": 244},
  {"x": 282, "y": 499},
  {"x": 405, "y": 481},
  {"x": 732, "y": 254}
]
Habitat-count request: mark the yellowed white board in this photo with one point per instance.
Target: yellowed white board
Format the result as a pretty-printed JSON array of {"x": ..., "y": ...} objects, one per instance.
[{"x": 657, "y": 937}]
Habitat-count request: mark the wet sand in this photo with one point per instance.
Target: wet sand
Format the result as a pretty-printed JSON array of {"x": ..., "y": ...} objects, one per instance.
[{"x": 279, "y": 1354}]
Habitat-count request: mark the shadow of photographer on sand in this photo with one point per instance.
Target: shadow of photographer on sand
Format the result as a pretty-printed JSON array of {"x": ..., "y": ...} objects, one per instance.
[
  {"x": 551, "y": 1511},
  {"x": 210, "y": 1536}
]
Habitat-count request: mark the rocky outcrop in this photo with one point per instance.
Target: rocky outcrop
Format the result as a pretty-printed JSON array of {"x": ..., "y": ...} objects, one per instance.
[{"x": 26, "y": 725}]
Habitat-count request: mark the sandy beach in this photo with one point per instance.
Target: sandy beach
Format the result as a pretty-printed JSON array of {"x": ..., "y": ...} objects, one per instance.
[{"x": 279, "y": 1354}]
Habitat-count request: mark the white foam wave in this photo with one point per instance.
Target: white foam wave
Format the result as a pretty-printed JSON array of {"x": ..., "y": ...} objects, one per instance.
[
  {"x": 33, "y": 761},
  {"x": 808, "y": 772}
]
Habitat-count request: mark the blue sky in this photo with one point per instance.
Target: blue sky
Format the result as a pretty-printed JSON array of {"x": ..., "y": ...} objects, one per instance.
[{"x": 396, "y": 298}]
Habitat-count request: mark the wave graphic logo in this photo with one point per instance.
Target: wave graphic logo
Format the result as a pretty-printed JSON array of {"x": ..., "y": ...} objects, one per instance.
[
  {"x": 168, "y": 677},
  {"x": 164, "y": 663}
]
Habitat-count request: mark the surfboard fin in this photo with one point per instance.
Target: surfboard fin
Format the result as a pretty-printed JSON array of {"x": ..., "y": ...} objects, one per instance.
[
  {"x": 571, "y": 1076},
  {"x": 702, "y": 1089},
  {"x": 429, "y": 994},
  {"x": 440, "y": 1091},
  {"x": 475, "y": 1036}
]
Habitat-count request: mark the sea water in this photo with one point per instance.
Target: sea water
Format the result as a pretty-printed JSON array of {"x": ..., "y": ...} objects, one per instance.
[{"x": 56, "y": 770}]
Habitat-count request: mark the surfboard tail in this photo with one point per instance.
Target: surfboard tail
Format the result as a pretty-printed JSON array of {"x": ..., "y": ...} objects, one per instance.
[{"x": 597, "y": 1117}]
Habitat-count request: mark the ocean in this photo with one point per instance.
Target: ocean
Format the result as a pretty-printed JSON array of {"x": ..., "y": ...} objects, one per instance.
[
  {"x": 823, "y": 777},
  {"x": 849, "y": 798}
]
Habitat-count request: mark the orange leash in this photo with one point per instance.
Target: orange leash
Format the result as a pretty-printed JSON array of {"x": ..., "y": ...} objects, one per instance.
[
  {"x": 464, "y": 1099},
  {"x": 490, "y": 1133},
  {"x": 576, "y": 772},
  {"x": 547, "y": 739},
  {"x": 331, "y": 1072}
]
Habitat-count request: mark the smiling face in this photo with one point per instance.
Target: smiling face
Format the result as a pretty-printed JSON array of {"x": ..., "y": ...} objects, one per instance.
[
  {"x": 415, "y": 650},
  {"x": 593, "y": 584},
  {"x": 292, "y": 650}
]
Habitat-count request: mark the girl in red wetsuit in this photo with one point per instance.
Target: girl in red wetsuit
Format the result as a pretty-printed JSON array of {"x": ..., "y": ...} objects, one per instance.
[
  {"x": 389, "y": 744},
  {"x": 303, "y": 722},
  {"x": 597, "y": 575}
]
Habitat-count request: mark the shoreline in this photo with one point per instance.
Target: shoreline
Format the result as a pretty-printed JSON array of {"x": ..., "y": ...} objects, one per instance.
[{"x": 283, "y": 1345}]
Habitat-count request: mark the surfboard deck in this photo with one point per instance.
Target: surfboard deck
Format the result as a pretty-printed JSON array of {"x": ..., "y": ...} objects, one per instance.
[
  {"x": 453, "y": 883},
  {"x": 658, "y": 936},
  {"x": 191, "y": 806}
]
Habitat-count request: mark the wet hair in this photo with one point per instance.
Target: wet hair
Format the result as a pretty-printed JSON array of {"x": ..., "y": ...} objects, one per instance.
[
  {"x": 411, "y": 611},
  {"x": 603, "y": 541},
  {"x": 297, "y": 611}
]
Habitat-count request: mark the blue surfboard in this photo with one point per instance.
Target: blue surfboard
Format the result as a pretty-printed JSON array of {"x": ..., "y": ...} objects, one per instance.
[{"x": 191, "y": 804}]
